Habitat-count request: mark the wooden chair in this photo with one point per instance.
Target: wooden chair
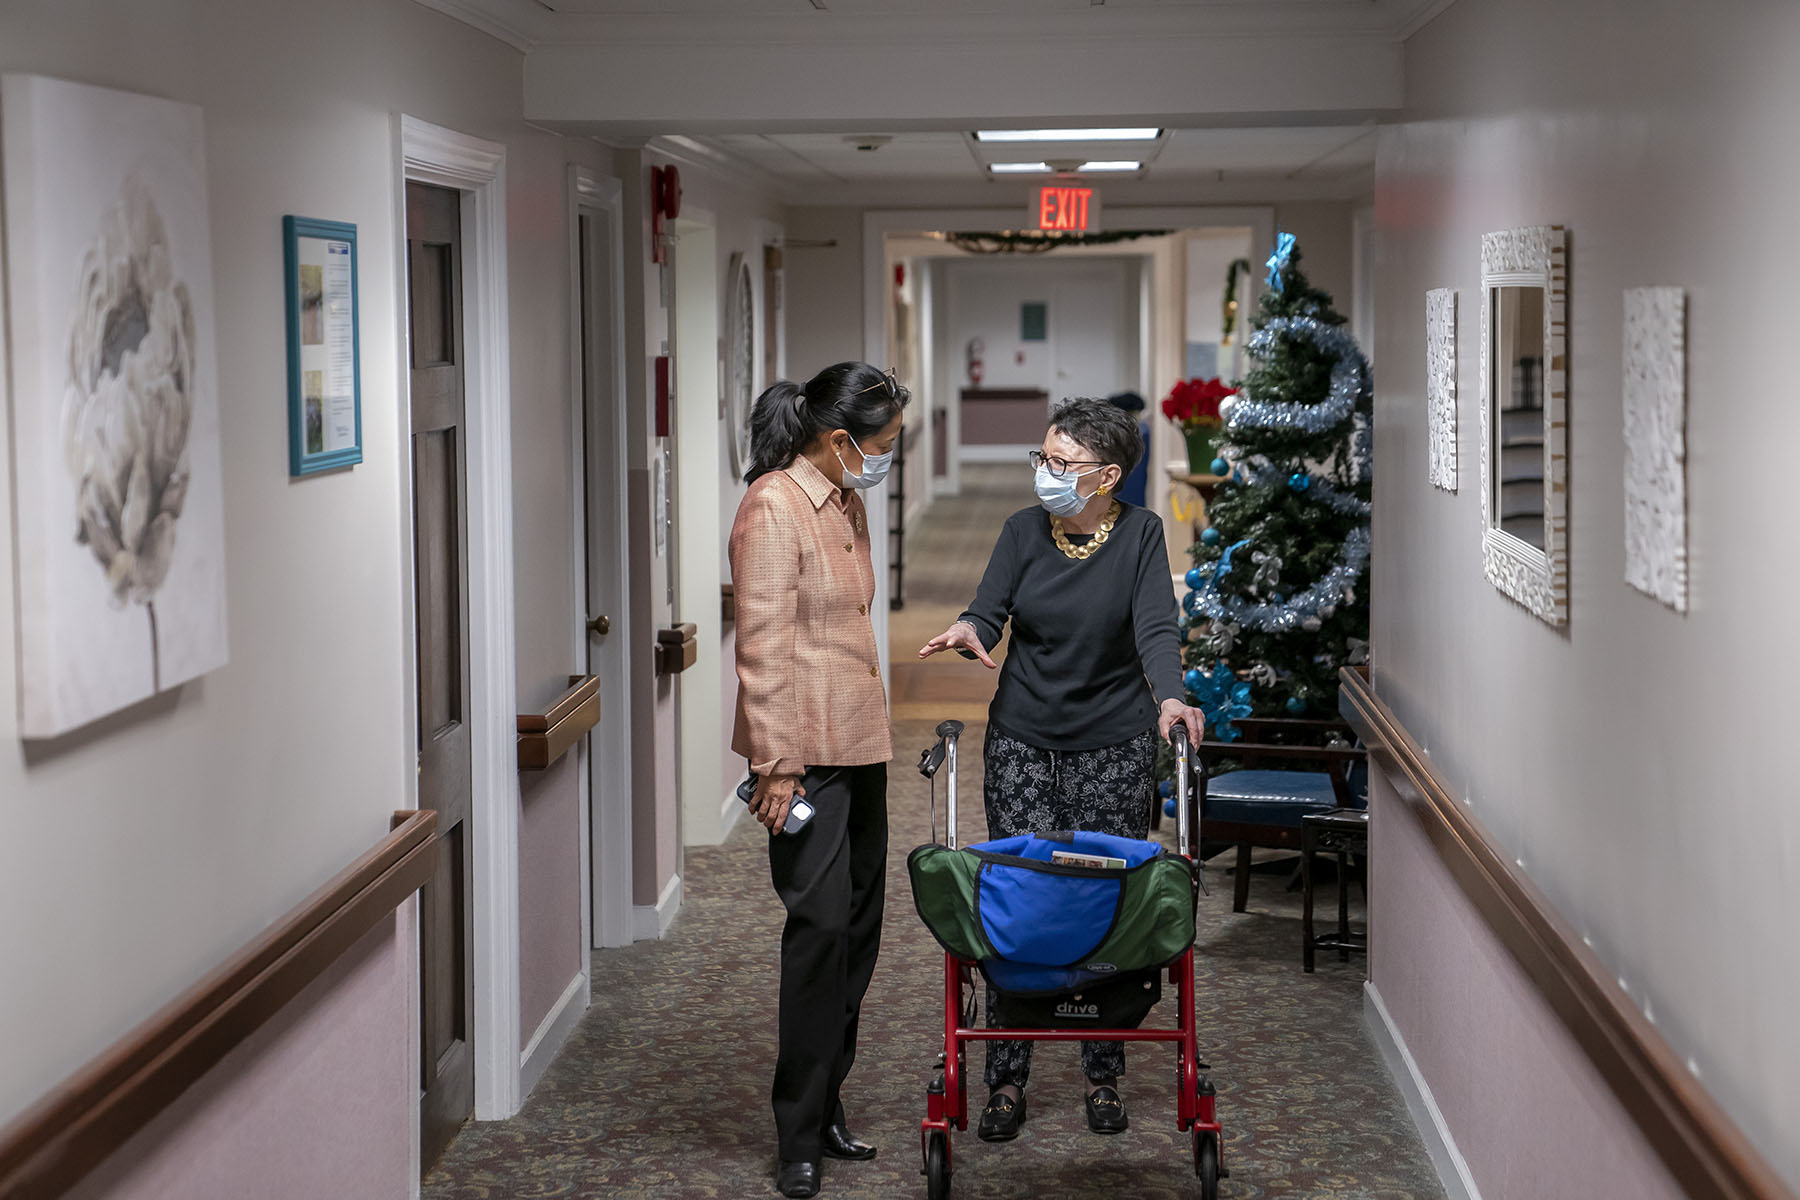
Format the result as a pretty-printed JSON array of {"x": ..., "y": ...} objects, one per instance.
[{"x": 1280, "y": 772}]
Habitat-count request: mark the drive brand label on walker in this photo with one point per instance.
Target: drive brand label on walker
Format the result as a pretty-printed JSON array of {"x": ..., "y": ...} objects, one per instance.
[{"x": 1071, "y": 1011}]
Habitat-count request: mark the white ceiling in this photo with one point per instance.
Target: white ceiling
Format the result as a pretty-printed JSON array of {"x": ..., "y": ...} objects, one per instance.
[
  {"x": 1263, "y": 100},
  {"x": 1198, "y": 154},
  {"x": 900, "y": 7}
]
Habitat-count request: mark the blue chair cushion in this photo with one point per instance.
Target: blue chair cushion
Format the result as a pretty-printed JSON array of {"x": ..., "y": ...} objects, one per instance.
[{"x": 1268, "y": 797}]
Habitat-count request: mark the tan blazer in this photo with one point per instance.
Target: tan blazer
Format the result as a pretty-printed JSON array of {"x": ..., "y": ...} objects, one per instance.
[{"x": 810, "y": 691}]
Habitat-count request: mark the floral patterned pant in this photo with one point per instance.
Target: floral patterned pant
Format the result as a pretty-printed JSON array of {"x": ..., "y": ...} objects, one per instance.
[{"x": 1030, "y": 790}]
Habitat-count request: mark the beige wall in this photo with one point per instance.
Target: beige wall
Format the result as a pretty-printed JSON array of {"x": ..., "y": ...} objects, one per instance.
[
  {"x": 151, "y": 845},
  {"x": 824, "y": 289},
  {"x": 1322, "y": 229},
  {"x": 1635, "y": 762}
]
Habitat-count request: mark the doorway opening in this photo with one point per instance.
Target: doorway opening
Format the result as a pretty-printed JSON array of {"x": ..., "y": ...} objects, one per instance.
[{"x": 992, "y": 341}]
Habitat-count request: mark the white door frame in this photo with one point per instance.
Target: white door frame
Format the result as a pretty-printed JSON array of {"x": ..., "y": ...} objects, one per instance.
[
  {"x": 879, "y": 223},
  {"x": 605, "y": 831},
  {"x": 477, "y": 168},
  {"x": 694, "y": 327}
]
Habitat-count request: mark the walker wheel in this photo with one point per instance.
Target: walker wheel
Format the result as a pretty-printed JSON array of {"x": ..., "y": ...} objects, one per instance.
[
  {"x": 937, "y": 1167},
  {"x": 1206, "y": 1164}
]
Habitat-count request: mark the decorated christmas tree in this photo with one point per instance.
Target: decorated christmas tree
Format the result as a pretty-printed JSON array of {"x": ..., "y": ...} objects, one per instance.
[{"x": 1278, "y": 598}]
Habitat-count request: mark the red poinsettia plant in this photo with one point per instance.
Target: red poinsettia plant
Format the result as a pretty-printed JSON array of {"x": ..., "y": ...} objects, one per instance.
[{"x": 1193, "y": 404}]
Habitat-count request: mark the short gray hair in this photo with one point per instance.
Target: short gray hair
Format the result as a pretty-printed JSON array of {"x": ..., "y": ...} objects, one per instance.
[{"x": 1109, "y": 433}]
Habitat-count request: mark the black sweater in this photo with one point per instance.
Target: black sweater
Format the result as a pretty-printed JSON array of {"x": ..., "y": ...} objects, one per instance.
[{"x": 1094, "y": 645}]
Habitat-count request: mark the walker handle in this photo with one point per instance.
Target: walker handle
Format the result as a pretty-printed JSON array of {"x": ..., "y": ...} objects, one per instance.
[
  {"x": 940, "y": 753},
  {"x": 1180, "y": 739}
]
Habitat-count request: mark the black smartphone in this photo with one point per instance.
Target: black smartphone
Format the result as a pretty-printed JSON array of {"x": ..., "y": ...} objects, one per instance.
[{"x": 799, "y": 812}]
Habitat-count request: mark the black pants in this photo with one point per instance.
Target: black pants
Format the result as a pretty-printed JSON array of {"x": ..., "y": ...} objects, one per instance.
[
  {"x": 1027, "y": 789},
  {"x": 832, "y": 877}
]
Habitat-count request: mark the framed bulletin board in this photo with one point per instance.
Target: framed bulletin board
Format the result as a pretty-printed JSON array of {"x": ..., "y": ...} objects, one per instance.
[{"x": 324, "y": 346}]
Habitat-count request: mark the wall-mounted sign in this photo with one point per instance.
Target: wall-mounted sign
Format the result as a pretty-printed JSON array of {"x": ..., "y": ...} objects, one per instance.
[{"x": 1065, "y": 208}]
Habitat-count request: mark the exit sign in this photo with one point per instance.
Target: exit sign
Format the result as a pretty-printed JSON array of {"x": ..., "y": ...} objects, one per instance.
[{"x": 1065, "y": 208}]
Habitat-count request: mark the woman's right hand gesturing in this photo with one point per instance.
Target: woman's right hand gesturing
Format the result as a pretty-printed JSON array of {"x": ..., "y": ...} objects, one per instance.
[
  {"x": 774, "y": 796},
  {"x": 960, "y": 636}
]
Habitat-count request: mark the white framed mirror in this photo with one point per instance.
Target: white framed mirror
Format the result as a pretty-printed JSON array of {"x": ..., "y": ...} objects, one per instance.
[{"x": 1524, "y": 409}]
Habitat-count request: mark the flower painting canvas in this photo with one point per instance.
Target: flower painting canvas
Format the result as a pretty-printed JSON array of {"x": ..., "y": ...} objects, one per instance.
[{"x": 119, "y": 501}]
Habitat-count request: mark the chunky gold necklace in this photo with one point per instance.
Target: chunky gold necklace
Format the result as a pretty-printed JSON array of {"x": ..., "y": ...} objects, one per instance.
[{"x": 1094, "y": 543}]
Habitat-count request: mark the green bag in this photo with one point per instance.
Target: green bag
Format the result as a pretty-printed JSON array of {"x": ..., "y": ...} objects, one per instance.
[{"x": 1044, "y": 927}]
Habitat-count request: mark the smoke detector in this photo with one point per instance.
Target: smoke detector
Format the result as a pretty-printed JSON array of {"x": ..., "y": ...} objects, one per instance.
[{"x": 868, "y": 141}]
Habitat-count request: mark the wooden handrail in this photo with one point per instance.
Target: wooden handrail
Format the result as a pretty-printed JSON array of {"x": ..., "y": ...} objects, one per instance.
[
  {"x": 547, "y": 736},
  {"x": 55, "y": 1143},
  {"x": 1701, "y": 1146}
]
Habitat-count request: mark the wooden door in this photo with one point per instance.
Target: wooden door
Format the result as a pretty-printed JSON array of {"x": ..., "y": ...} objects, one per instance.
[{"x": 441, "y": 611}]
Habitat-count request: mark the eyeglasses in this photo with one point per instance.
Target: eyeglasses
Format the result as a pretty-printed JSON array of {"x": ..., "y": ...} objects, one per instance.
[
  {"x": 888, "y": 381},
  {"x": 1060, "y": 466}
]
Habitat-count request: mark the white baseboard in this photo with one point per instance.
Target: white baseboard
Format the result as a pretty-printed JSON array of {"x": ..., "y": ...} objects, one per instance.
[
  {"x": 555, "y": 1029},
  {"x": 650, "y": 921},
  {"x": 943, "y": 485},
  {"x": 997, "y": 454},
  {"x": 1452, "y": 1171},
  {"x": 730, "y": 811}
]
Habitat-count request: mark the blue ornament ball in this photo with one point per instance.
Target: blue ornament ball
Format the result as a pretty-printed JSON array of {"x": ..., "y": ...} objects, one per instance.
[
  {"x": 1299, "y": 481},
  {"x": 1166, "y": 787},
  {"x": 1195, "y": 576},
  {"x": 1219, "y": 466},
  {"x": 1208, "y": 537},
  {"x": 1194, "y": 678},
  {"x": 1191, "y": 603},
  {"x": 1169, "y": 807},
  {"x": 1296, "y": 705}
]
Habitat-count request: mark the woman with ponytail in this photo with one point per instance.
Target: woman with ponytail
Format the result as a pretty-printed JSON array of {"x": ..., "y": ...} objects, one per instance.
[{"x": 812, "y": 720}]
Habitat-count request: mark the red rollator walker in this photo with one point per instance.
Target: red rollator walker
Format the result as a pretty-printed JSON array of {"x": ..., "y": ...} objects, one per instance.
[{"x": 946, "y": 1099}]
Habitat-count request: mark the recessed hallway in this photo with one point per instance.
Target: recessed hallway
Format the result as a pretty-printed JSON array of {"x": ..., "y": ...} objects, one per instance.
[{"x": 663, "y": 1090}]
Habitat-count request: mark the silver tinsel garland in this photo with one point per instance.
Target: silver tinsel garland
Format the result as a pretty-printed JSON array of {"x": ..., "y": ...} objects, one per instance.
[
  {"x": 1349, "y": 380},
  {"x": 1261, "y": 472},
  {"x": 1292, "y": 613}
]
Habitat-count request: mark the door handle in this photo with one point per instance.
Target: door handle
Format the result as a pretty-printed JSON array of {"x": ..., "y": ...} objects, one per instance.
[{"x": 601, "y": 625}]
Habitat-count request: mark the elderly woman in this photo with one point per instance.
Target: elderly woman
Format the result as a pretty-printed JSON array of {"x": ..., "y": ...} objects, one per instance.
[{"x": 1092, "y": 679}]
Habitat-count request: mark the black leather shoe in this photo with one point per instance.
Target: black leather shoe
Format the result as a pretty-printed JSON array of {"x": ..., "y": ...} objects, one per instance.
[
  {"x": 1001, "y": 1119},
  {"x": 797, "y": 1178},
  {"x": 838, "y": 1142},
  {"x": 1106, "y": 1111}
]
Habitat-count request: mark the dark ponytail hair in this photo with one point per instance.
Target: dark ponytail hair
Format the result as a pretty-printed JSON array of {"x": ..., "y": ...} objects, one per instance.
[{"x": 851, "y": 396}]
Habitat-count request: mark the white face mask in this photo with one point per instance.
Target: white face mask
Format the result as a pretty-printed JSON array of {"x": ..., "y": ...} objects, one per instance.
[
  {"x": 1058, "y": 493},
  {"x": 875, "y": 468}
]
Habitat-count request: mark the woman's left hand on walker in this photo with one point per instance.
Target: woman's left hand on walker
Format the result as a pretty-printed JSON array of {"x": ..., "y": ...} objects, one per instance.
[{"x": 1174, "y": 711}]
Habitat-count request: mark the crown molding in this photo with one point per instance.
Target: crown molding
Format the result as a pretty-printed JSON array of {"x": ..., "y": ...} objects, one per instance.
[
  {"x": 526, "y": 25},
  {"x": 521, "y": 24},
  {"x": 692, "y": 152},
  {"x": 1426, "y": 12}
]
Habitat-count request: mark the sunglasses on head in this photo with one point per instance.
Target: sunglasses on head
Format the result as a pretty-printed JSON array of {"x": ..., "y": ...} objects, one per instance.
[{"x": 888, "y": 381}]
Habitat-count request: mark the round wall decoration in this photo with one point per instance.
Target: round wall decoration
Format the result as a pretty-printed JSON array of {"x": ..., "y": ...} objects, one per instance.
[{"x": 740, "y": 361}]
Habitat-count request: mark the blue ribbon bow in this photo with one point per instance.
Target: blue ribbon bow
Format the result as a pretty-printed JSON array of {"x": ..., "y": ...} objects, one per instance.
[
  {"x": 1284, "y": 250},
  {"x": 1223, "y": 567},
  {"x": 1222, "y": 697}
]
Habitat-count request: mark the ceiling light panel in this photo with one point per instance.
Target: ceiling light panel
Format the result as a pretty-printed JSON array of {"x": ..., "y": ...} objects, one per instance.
[
  {"x": 1111, "y": 164},
  {"x": 1131, "y": 134},
  {"x": 1019, "y": 168}
]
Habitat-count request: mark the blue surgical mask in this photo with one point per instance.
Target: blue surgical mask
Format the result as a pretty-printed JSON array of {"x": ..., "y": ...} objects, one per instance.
[
  {"x": 1058, "y": 494},
  {"x": 875, "y": 468}
]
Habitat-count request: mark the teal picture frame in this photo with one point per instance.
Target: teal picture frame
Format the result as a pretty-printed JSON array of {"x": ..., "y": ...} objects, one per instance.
[{"x": 324, "y": 345}]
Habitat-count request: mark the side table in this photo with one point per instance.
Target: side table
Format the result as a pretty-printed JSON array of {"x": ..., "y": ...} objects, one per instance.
[{"x": 1344, "y": 831}]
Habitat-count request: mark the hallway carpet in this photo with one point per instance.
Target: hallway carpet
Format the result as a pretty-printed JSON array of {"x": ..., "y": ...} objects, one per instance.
[{"x": 663, "y": 1090}]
